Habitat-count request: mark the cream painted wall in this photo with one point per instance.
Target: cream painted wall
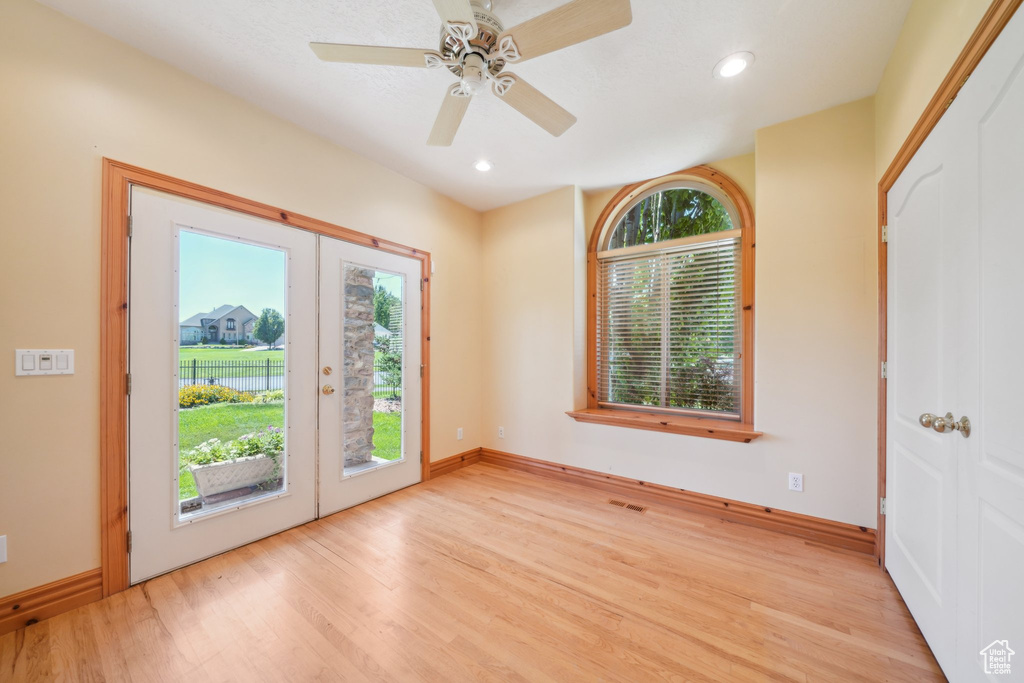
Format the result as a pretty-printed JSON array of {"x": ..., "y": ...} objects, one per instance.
[
  {"x": 934, "y": 33},
  {"x": 73, "y": 96},
  {"x": 530, "y": 355},
  {"x": 815, "y": 337}
]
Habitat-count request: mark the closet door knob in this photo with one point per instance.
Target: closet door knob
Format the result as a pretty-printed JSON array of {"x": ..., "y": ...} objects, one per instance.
[{"x": 946, "y": 423}]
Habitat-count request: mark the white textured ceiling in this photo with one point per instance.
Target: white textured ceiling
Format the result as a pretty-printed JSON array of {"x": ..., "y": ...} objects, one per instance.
[{"x": 644, "y": 95}]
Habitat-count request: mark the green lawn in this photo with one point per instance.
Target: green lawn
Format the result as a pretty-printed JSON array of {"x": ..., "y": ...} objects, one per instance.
[
  {"x": 202, "y": 353},
  {"x": 228, "y": 421},
  {"x": 225, "y": 421},
  {"x": 387, "y": 435}
]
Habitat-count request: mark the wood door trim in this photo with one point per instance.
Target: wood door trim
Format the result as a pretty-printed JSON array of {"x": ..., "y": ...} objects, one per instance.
[
  {"x": 824, "y": 531},
  {"x": 117, "y": 179},
  {"x": 35, "y": 604},
  {"x": 991, "y": 25}
]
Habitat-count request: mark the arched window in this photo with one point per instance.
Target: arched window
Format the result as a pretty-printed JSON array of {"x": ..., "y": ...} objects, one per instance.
[{"x": 672, "y": 316}]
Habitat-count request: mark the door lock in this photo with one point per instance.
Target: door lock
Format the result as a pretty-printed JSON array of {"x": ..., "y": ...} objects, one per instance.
[
  {"x": 328, "y": 390},
  {"x": 946, "y": 424},
  {"x": 327, "y": 370}
]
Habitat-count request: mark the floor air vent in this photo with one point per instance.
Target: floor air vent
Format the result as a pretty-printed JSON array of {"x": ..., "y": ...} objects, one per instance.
[{"x": 628, "y": 506}]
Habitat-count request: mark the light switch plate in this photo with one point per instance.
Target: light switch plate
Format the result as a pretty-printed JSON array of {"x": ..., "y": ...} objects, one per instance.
[{"x": 44, "y": 361}]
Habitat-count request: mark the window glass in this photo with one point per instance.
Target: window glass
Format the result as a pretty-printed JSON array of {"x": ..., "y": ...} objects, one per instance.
[
  {"x": 668, "y": 215},
  {"x": 669, "y": 318}
]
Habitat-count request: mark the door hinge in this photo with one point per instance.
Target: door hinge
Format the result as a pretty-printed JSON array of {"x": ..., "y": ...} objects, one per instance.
[
  {"x": 421, "y": 284},
  {"x": 885, "y": 233},
  {"x": 129, "y": 541},
  {"x": 881, "y": 505},
  {"x": 128, "y": 383},
  {"x": 421, "y": 457},
  {"x": 885, "y": 370},
  {"x": 130, "y": 226},
  {"x": 421, "y": 370}
]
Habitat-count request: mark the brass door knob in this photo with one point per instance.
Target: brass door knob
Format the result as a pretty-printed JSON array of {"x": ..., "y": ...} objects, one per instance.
[{"x": 328, "y": 390}]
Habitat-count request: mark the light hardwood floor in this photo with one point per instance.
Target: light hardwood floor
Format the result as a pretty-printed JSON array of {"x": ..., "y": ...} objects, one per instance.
[{"x": 493, "y": 574}]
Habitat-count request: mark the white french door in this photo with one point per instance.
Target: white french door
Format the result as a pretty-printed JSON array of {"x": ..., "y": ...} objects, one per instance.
[
  {"x": 363, "y": 458},
  {"x": 194, "y": 266},
  {"x": 955, "y": 505},
  {"x": 236, "y": 431}
]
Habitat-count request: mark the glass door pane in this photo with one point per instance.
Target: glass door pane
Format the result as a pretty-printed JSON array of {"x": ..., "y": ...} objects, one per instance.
[
  {"x": 373, "y": 346},
  {"x": 230, "y": 373}
]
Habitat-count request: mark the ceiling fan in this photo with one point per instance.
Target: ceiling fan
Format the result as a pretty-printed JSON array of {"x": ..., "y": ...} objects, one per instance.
[{"x": 476, "y": 47}]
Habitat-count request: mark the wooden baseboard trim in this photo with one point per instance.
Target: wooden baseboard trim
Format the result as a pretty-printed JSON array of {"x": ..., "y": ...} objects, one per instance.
[
  {"x": 455, "y": 462},
  {"x": 824, "y": 531},
  {"x": 28, "y": 607}
]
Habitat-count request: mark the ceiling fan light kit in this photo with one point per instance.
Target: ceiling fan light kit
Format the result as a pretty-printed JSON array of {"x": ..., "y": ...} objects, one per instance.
[{"x": 476, "y": 48}]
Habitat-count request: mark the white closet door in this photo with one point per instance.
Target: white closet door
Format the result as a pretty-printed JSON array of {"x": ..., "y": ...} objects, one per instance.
[
  {"x": 921, "y": 477},
  {"x": 991, "y": 511},
  {"x": 955, "y": 524}
]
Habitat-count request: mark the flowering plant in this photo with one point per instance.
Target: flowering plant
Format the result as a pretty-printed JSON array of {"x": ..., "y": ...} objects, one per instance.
[
  {"x": 194, "y": 395},
  {"x": 268, "y": 442}
]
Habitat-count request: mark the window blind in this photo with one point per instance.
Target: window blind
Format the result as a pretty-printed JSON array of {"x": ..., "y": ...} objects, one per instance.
[{"x": 668, "y": 328}]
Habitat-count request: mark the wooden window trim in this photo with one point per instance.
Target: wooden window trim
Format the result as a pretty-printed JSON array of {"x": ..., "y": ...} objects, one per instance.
[
  {"x": 728, "y": 430},
  {"x": 670, "y": 422}
]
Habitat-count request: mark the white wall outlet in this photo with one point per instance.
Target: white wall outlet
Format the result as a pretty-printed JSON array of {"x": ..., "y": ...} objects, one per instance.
[
  {"x": 3, "y": 549},
  {"x": 796, "y": 482},
  {"x": 458, "y": 433},
  {"x": 501, "y": 432}
]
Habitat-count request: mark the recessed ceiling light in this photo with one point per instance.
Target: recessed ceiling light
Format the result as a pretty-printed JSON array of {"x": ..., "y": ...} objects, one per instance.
[
  {"x": 483, "y": 165},
  {"x": 733, "y": 65}
]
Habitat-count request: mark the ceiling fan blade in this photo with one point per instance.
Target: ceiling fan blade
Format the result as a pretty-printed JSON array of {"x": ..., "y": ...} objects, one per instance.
[
  {"x": 448, "y": 119},
  {"x": 567, "y": 25},
  {"x": 536, "y": 106},
  {"x": 369, "y": 54},
  {"x": 456, "y": 11}
]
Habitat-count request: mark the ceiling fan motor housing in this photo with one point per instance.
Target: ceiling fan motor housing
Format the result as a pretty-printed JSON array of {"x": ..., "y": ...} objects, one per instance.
[{"x": 490, "y": 27}]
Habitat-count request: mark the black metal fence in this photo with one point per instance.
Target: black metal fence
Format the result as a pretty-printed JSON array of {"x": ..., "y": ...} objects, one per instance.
[
  {"x": 268, "y": 374},
  {"x": 240, "y": 375},
  {"x": 386, "y": 383}
]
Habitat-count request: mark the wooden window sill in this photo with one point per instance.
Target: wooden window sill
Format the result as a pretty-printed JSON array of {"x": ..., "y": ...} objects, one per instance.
[{"x": 673, "y": 424}]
